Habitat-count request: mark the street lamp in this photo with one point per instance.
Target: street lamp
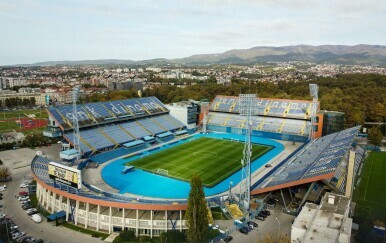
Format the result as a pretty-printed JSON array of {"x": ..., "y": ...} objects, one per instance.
[
  {"x": 279, "y": 226},
  {"x": 6, "y": 224}
]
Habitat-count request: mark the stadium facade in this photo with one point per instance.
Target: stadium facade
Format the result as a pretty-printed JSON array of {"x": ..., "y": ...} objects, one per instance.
[{"x": 113, "y": 129}]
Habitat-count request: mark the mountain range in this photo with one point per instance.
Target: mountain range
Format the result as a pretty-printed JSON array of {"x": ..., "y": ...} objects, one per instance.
[{"x": 334, "y": 54}]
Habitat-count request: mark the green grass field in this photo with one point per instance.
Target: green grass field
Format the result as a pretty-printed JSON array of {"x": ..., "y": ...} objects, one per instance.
[
  {"x": 211, "y": 159},
  {"x": 370, "y": 195},
  {"x": 8, "y": 123}
]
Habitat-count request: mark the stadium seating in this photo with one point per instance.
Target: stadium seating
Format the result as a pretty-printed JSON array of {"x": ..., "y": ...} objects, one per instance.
[
  {"x": 135, "y": 130},
  {"x": 150, "y": 126},
  {"x": 265, "y": 107},
  {"x": 110, "y": 135},
  {"x": 117, "y": 134},
  {"x": 320, "y": 156},
  {"x": 168, "y": 123},
  {"x": 268, "y": 124},
  {"x": 105, "y": 112}
]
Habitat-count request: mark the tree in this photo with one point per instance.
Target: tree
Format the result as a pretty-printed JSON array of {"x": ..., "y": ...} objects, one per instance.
[
  {"x": 4, "y": 172},
  {"x": 197, "y": 212},
  {"x": 375, "y": 135}
]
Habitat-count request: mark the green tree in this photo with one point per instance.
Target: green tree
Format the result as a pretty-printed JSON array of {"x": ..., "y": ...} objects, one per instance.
[
  {"x": 124, "y": 236},
  {"x": 4, "y": 172},
  {"x": 375, "y": 135},
  {"x": 197, "y": 212}
]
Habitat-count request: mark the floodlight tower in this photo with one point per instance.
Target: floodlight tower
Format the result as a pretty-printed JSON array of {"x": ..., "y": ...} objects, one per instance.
[
  {"x": 314, "y": 88},
  {"x": 75, "y": 122},
  {"x": 205, "y": 111},
  {"x": 247, "y": 108}
]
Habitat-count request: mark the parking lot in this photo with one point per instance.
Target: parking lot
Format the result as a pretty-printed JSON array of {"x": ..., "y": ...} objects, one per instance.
[
  {"x": 270, "y": 226},
  {"x": 19, "y": 161}
]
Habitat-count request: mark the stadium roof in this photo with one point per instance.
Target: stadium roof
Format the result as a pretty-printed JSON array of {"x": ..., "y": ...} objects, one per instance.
[{"x": 317, "y": 160}]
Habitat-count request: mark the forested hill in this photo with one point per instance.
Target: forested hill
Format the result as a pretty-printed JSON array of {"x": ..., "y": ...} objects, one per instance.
[{"x": 361, "y": 96}]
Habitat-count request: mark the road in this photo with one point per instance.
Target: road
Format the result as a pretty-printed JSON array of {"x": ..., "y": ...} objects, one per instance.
[{"x": 12, "y": 207}]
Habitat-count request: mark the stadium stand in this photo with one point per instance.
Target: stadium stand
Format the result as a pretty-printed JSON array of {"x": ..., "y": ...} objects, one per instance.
[
  {"x": 339, "y": 179},
  {"x": 320, "y": 157},
  {"x": 298, "y": 109},
  {"x": 277, "y": 118},
  {"x": 106, "y": 112},
  {"x": 107, "y": 125},
  {"x": 268, "y": 124}
]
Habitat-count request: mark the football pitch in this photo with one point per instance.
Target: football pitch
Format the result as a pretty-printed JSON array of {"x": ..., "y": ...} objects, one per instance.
[
  {"x": 370, "y": 195},
  {"x": 212, "y": 159}
]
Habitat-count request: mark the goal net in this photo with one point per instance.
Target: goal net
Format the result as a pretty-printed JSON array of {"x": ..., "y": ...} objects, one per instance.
[{"x": 162, "y": 172}]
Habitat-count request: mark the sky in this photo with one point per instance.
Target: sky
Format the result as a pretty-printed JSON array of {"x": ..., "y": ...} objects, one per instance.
[{"x": 34, "y": 31}]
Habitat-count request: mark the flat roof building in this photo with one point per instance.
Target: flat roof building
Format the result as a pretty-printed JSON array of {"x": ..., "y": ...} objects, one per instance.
[{"x": 327, "y": 222}]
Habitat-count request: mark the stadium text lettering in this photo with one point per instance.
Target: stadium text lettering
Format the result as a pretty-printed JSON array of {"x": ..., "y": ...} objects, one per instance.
[{"x": 116, "y": 108}]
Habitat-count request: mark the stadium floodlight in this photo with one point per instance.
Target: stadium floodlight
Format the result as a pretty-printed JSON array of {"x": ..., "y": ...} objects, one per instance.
[
  {"x": 75, "y": 122},
  {"x": 314, "y": 89},
  {"x": 248, "y": 108}
]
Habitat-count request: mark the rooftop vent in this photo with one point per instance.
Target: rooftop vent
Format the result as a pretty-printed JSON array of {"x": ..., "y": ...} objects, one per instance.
[{"x": 331, "y": 199}]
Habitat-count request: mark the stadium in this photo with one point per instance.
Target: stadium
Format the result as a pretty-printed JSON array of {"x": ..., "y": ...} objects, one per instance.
[{"x": 136, "y": 160}]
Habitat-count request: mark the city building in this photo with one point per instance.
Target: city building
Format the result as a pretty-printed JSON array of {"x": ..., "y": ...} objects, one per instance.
[
  {"x": 185, "y": 111},
  {"x": 333, "y": 121},
  {"x": 125, "y": 85},
  {"x": 327, "y": 222}
]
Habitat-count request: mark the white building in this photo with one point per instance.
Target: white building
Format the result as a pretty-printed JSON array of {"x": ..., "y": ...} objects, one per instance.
[
  {"x": 184, "y": 111},
  {"x": 327, "y": 222},
  {"x": 153, "y": 69}
]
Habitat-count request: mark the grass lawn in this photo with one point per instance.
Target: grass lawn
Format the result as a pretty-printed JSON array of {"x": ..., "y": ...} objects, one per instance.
[
  {"x": 218, "y": 214},
  {"x": 212, "y": 159},
  {"x": 85, "y": 231},
  {"x": 370, "y": 195}
]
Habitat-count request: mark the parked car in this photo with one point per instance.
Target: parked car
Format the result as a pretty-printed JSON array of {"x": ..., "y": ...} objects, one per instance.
[
  {"x": 24, "y": 185},
  {"x": 17, "y": 235},
  {"x": 2, "y": 216},
  {"x": 26, "y": 206},
  {"x": 31, "y": 211},
  {"x": 243, "y": 231},
  {"x": 252, "y": 223},
  {"x": 228, "y": 239},
  {"x": 23, "y": 193},
  {"x": 14, "y": 227},
  {"x": 260, "y": 218},
  {"x": 273, "y": 203},
  {"x": 266, "y": 212},
  {"x": 247, "y": 228},
  {"x": 274, "y": 199},
  {"x": 36, "y": 218}
]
